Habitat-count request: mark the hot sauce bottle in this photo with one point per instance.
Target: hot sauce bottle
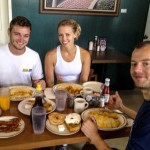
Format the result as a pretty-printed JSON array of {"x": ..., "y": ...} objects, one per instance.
[{"x": 106, "y": 90}]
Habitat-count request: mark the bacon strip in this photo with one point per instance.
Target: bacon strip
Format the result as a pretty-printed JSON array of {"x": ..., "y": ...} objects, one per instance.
[{"x": 11, "y": 125}]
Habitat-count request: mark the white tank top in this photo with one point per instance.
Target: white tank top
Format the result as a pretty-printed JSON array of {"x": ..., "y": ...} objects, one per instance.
[{"x": 68, "y": 71}]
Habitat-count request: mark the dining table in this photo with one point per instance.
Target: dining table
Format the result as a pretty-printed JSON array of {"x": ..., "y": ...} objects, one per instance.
[{"x": 28, "y": 140}]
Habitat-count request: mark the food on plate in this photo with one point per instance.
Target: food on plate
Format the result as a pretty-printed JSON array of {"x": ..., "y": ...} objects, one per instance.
[
  {"x": 73, "y": 122},
  {"x": 10, "y": 125},
  {"x": 21, "y": 92},
  {"x": 48, "y": 106},
  {"x": 56, "y": 118},
  {"x": 29, "y": 104},
  {"x": 105, "y": 119},
  {"x": 71, "y": 88}
]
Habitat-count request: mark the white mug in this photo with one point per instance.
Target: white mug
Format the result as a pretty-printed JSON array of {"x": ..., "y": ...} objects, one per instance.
[
  {"x": 80, "y": 105},
  {"x": 86, "y": 91}
]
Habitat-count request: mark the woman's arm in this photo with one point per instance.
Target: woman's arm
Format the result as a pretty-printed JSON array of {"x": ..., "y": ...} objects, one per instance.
[
  {"x": 49, "y": 64},
  {"x": 86, "y": 64}
]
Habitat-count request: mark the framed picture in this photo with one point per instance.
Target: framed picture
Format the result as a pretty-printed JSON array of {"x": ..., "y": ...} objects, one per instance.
[{"x": 80, "y": 7}]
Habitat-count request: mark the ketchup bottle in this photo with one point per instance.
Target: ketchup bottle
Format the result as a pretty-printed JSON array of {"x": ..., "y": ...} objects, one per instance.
[{"x": 106, "y": 90}]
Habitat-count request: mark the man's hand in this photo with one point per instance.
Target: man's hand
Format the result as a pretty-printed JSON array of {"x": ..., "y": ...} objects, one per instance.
[{"x": 41, "y": 82}]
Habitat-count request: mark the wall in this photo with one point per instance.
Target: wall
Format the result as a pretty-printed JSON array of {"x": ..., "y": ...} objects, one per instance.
[
  {"x": 123, "y": 32},
  {"x": 4, "y": 21}
]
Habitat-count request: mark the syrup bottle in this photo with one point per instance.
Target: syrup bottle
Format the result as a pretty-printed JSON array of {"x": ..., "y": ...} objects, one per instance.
[
  {"x": 38, "y": 98},
  {"x": 106, "y": 90}
]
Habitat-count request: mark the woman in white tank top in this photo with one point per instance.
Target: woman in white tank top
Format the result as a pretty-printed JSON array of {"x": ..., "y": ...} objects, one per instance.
[{"x": 69, "y": 62}]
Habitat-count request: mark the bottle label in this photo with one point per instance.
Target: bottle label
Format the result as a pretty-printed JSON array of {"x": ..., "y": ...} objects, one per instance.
[{"x": 106, "y": 96}]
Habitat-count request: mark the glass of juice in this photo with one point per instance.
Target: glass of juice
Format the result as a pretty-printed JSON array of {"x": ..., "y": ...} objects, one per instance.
[{"x": 4, "y": 99}]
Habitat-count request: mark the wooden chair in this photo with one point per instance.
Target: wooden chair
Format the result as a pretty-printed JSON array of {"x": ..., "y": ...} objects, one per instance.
[{"x": 92, "y": 76}]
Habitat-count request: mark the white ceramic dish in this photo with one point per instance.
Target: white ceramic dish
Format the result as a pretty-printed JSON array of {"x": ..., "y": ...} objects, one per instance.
[
  {"x": 48, "y": 92},
  {"x": 54, "y": 129},
  {"x": 96, "y": 86},
  {"x": 129, "y": 122},
  {"x": 20, "y": 98},
  {"x": 12, "y": 133},
  {"x": 75, "y": 87},
  {"x": 121, "y": 118},
  {"x": 25, "y": 111}
]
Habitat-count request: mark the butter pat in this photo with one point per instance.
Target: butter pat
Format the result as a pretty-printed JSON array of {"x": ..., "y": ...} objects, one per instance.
[{"x": 61, "y": 128}]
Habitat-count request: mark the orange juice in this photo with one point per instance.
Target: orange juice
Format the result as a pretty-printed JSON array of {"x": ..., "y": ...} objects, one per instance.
[{"x": 4, "y": 98}]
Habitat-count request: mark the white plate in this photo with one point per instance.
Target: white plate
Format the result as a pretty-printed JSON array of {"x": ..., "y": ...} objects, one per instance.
[
  {"x": 48, "y": 92},
  {"x": 25, "y": 111},
  {"x": 20, "y": 98},
  {"x": 96, "y": 86},
  {"x": 13, "y": 133},
  {"x": 121, "y": 118},
  {"x": 129, "y": 122},
  {"x": 54, "y": 129},
  {"x": 65, "y": 85}
]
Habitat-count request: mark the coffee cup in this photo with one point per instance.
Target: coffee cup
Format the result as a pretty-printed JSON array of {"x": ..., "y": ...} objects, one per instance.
[
  {"x": 4, "y": 98},
  {"x": 86, "y": 91},
  {"x": 80, "y": 105}
]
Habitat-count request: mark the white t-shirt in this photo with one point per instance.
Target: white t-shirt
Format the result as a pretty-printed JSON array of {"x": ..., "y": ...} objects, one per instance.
[
  {"x": 68, "y": 71},
  {"x": 19, "y": 69}
]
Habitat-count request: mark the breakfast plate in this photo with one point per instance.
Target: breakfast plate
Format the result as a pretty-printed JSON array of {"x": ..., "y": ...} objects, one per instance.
[
  {"x": 72, "y": 88},
  {"x": 48, "y": 92},
  {"x": 18, "y": 93},
  {"x": 24, "y": 108},
  {"x": 96, "y": 86},
  {"x": 117, "y": 121},
  {"x": 12, "y": 129},
  {"x": 54, "y": 129},
  {"x": 130, "y": 122}
]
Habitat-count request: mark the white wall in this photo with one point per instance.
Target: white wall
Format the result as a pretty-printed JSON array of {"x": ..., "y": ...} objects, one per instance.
[{"x": 5, "y": 17}]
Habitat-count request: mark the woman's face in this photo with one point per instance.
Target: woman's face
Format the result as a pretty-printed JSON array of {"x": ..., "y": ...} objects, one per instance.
[{"x": 66, "y": 36}]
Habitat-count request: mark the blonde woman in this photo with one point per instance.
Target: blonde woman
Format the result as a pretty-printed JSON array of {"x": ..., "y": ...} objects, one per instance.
[{"x": 69, "y": 62}]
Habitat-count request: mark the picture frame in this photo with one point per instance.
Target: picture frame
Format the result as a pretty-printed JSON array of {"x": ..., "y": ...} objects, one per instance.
[{"x": 80, "y": 7}]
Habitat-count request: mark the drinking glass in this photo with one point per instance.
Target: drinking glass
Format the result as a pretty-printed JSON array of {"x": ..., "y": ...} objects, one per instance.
[
  {"x": 4, "y": 99},
  {"x": 61, "y": 96},
  {"x": 38, "y": 119}
]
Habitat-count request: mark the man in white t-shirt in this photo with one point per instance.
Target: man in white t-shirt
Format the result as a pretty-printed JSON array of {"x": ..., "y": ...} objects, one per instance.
[{"x": 20, "y": 65}]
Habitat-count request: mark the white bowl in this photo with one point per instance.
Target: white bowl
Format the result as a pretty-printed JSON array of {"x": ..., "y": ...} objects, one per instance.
[{"x": 96, "y": 86}]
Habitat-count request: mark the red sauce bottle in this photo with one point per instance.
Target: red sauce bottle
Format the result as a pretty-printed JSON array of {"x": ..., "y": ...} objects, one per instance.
[{"x": 106, "y": 90}]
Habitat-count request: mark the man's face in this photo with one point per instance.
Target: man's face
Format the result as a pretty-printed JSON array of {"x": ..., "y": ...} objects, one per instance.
[
  {"x": 19, "y": 37},
  {"x": 140, "y": 67}
]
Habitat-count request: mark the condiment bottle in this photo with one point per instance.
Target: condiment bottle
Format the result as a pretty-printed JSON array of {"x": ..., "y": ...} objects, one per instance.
[
  {"x": 38, "y": 99},
  {"x": 95, "y": 43},
  {"x": 102, "y": 102},
  {"x": 106, "y": 90}
]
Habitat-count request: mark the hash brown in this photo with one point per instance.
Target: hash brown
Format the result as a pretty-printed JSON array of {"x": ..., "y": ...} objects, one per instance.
[{"x": 72, "y": 88}]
